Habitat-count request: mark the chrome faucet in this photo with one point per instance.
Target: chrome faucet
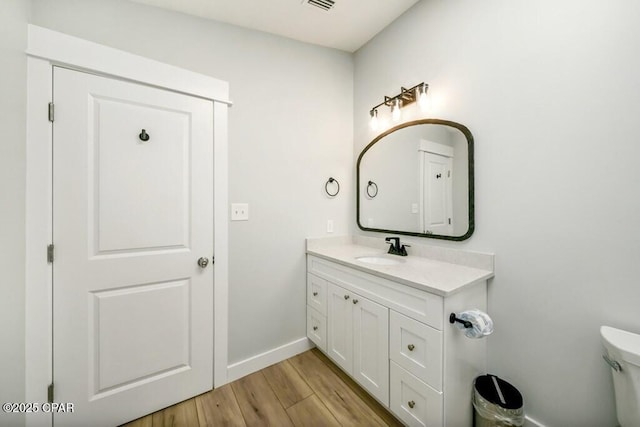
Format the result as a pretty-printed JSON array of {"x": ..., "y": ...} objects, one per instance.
[{"x": 396, "y": 248}]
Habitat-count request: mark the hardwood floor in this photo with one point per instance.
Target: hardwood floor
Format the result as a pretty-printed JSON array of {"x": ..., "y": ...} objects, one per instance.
[{"x": 306, "y": 390}]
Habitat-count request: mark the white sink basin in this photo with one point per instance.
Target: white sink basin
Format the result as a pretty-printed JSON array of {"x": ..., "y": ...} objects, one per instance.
[{"x": 379, "y": 260}]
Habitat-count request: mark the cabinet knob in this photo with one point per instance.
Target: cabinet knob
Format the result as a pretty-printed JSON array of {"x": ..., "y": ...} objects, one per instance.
[
  {"x": 315, "y": 294},
  {"x": 315, "y": 328},
  {"x": 411, "y": 347},
  {"x": 346, "y": 297},
  {"x": 411, "y": 404},
  {"x": 355, "y": 301}
]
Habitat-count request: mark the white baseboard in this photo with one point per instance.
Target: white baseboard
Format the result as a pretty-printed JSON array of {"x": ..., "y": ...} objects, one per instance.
[
  {"x": 530, "y": 422},
  {"x": 268, "y": 358}
]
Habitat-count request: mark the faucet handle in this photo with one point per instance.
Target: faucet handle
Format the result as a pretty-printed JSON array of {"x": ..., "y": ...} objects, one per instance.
[{"x": 403, "y": 250}]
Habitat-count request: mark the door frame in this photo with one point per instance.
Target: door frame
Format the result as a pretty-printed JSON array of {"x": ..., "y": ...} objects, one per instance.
[{"x": 47, "y": 48}]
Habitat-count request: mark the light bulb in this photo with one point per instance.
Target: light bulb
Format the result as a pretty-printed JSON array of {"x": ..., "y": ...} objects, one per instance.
[
  {"x": 374, "y": 119},
  {"x": 395, "y": 111},
  {"x": 423, "y": 99}
]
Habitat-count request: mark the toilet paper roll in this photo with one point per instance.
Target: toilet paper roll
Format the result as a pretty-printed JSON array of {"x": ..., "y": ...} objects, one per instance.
[{"x": 482, "y": 325}]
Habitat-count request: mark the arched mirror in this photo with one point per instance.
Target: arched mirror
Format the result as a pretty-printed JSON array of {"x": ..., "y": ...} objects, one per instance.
[{"x": 417, "y": 179}]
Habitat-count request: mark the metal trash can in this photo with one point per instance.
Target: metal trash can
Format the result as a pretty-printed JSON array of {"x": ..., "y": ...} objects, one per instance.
[{"x": 496, "y": 403}]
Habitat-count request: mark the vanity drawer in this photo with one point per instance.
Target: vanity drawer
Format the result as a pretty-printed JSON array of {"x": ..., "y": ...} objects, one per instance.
[
  {"x": 317, "y": 328},
  {"x": 417, "y": 348},
  {"x": 317, "y": 293},
  {"x": 413, "y": 401}
]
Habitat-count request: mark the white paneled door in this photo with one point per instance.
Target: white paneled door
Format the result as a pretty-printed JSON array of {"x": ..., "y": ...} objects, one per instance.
[{"x": 132, "y": 228}]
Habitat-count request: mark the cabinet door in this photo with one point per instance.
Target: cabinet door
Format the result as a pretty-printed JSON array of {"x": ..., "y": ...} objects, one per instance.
[
  {"x": 371, "y": 347},
  {"x": 340, "y": 327}
]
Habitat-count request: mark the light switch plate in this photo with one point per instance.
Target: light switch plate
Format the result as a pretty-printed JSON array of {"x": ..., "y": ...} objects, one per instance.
[
  {"x": 239, "y": 212},
  {"x": 329, "y": 226}
]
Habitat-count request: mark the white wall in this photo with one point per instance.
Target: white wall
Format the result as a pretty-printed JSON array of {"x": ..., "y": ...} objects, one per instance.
[
  {"x": 550, "y": 91},
  {"x": 13, "y": 77},
  {"x": 290, "y": 129}
]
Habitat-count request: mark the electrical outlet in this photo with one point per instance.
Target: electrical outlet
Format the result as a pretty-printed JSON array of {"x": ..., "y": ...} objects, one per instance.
[
  {"x": 329, "y": 226},
  {"x": 414, "y": 208},
  {"x": 239, "y": 212}
]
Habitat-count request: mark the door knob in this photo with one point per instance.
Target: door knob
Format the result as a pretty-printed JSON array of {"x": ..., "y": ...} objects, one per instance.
[
  {"x": 411, "y": 404},
  {"x": 203, "y": 262},
  {"x": 411, "y": 347}
]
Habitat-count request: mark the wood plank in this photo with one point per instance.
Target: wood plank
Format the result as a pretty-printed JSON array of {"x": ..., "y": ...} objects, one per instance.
[
  {"x": 146, "y": 421},
  {"x": 380, "y": 410},
  {"x": 183, "y": 414},
  {"x": 287, "y": 383},
  {"x": 258, "y": 402},
  {"x": 219, "y": 407},
  {"x": 311, "y": 413},
  {"x": 342, "y": 402}
]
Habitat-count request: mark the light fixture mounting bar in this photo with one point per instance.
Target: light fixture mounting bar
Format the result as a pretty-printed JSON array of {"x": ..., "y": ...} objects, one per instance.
[{"x": 406, "y": 96}]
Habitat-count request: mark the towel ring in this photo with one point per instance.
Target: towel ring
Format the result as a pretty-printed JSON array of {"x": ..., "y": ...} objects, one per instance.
[
  {"x": 326, "y": 187},
  {"x": 369, "y": 185}
]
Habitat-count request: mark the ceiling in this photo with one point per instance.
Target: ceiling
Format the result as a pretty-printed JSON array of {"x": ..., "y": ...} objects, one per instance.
[{"x": 347, "y": 26}]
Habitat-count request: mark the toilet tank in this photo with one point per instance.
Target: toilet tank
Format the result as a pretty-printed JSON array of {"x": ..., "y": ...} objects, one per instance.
[{"x": 622, "y": 351}]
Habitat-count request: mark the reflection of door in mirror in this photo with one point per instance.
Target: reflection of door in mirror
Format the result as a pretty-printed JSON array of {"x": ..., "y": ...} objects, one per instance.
[{"x": 436, "y": 202}]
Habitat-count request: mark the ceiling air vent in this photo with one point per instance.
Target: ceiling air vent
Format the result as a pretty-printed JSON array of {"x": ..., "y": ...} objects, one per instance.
[{"x": 325, "y": 5}]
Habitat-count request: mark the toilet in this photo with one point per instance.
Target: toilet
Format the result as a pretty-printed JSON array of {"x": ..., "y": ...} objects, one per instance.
[{"x": 622, "y": 353}]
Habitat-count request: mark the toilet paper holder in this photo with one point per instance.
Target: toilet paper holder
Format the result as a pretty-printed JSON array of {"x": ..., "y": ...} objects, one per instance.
[{"x": 453, "y": 318}]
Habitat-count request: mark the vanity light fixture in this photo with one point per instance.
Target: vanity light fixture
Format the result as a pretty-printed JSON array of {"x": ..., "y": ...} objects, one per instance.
[
  {"x": 395, "y": 111},
  {"x": 404, "y": 98},
  {"x": 374, "y": 119},
  {"x": 423, "y": 99}
]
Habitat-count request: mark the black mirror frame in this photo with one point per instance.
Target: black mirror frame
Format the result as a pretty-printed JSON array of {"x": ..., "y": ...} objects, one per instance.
[{"x": 469, "y": 137}]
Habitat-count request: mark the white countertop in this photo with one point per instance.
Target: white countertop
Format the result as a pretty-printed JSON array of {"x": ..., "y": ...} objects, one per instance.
[{"x": 450, "y": 271}]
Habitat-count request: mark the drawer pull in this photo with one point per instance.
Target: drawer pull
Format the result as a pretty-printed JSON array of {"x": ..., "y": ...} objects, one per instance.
[
  {"x": 315, "y": 294},
  {"x": 315, "y": 328},
  {"x": 346, "y": 297},
  {"x": 411, "y": 404},
  {"x": 355, "y": 301},
  {"x": 411, "y": 347}
]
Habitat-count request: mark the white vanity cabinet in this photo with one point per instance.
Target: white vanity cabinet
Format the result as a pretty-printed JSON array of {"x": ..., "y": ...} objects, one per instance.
[{"x": 396, "y": 341}]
